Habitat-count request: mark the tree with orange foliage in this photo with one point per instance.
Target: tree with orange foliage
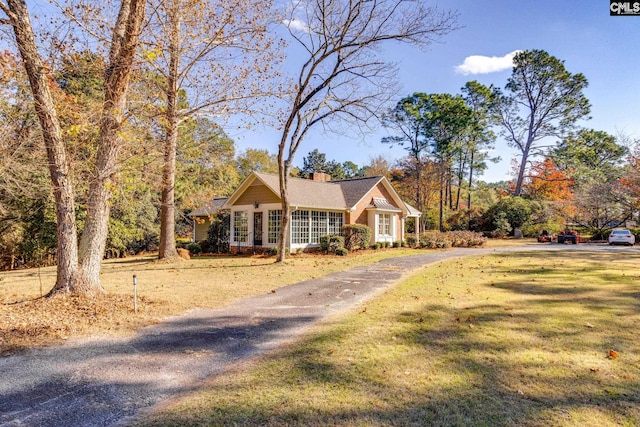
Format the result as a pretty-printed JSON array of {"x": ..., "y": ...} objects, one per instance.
[{"x": 548, "y": 183}]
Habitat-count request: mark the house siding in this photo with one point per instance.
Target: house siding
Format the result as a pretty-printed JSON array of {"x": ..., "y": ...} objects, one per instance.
[
  {"x": 257, "y": 192},
  {"x": 201, "y": 228},
  {"x": 359, "y": 214}
]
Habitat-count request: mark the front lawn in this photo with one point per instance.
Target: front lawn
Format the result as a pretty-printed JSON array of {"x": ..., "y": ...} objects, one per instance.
[
  {"x": 529, "y": 339},
  {"x": 164, "y": 289}
]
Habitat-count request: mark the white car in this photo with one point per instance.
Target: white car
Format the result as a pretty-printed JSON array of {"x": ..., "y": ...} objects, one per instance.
[{"x": 622, "y": 237}]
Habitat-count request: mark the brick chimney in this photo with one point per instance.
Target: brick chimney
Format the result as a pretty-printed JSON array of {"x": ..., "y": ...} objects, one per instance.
[{"x": 320, "y": 176}]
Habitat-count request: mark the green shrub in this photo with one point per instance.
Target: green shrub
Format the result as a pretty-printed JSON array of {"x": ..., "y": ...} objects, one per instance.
[
  {"x": 272, "y": 251},
  {"x": 330, "y": 242},
  {"x": 375, "y": 246},
  {"x": 194, "y": 248},
  {"x": 356, "y": 236},
  {"x": 218, "y": 233},
  {"x": 411, "y": 241},
  {"x": 397, "y": 244},
  {"x": 599, "y": 234},
  {"x": 342, "y": 251}
]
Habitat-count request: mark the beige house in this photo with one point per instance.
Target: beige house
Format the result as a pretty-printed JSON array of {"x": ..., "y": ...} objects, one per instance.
[{"x": 319, "y": 206}]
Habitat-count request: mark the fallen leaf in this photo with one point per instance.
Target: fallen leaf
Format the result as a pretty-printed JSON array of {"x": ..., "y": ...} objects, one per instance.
[{"x": 612, "y": 354}]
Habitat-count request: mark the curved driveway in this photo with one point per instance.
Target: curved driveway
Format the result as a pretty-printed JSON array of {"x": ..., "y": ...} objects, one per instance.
[{"x": 104, "y": 382}]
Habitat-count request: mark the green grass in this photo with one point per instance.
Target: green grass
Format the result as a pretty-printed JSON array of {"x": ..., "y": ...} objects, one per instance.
[{"x": 496, "y": 340}]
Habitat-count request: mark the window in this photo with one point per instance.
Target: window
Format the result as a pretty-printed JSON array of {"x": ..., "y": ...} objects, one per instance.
[
  {"x": 275, "y": 219},
  {"x": 335, "y": 223},
  {"x": 318, "y": 225},
  {"x": 384, "y": 224},
  {"x": 300, "y": 227},
  {"x": 240, "y": 226}
]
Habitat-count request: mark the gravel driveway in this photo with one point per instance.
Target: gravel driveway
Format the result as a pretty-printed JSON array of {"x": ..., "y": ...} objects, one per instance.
[{"x": 104, "y": 382}]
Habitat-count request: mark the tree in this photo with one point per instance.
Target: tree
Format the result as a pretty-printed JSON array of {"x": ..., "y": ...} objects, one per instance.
[
  {"x": 203, "y": 47},
  {"x": 378, "y": 166},
  {"x": 205, "y": 164},
  {"x": 445, "y": 119},
  {"x": 543, "y": 100},
  {"x": 479, "y": 137},
  {"x": 594, "y": 161},
  {"x": 590, "y": 154},
  {"x": 78, "y": 268},
  {"x": 407, "y": 120},
  {"x": 317, "y": 162},
  {"x": 256, "y": 160},
  {"x": 340, "y": 77}
]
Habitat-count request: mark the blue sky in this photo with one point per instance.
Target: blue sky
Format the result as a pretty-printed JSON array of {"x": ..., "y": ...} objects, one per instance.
[{"x": 605, "y": 49}]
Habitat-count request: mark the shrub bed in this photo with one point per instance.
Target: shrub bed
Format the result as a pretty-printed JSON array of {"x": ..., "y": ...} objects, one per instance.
[{"x": 458, "y": 239}]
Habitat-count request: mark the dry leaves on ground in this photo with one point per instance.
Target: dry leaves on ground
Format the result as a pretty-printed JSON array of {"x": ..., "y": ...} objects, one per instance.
[{"x": 49, "y": 321}]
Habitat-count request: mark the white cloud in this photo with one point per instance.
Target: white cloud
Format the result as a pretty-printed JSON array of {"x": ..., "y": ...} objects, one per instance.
[
  {"x": 479, "y": 64},
  {"x": 296, "y": 25}
]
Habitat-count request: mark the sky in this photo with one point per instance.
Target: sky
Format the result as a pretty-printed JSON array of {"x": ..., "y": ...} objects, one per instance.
[{"x": 606, "y": 49}]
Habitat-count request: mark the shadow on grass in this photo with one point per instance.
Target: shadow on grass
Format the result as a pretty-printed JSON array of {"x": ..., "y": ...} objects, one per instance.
[{"x": 537, "y": 358}]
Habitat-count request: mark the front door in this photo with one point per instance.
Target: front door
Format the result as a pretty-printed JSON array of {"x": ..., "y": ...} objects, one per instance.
[{"x": 257, "y": 229}]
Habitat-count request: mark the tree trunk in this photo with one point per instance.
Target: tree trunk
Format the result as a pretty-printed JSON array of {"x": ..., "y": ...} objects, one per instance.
[
  {"x": 470, "y": 179},
  {"x": 442, "y": 198},
  {"x": 523, "y": 164},
  {"x": 94, "y": 235},
  {"x": 167, "y": 247},
  {"x": 283, "y": 172},
  {"x": 66, "y": 230}
]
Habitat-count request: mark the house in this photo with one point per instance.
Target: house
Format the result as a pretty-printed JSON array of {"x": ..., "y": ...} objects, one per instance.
[{"x": 319, "y": 206}]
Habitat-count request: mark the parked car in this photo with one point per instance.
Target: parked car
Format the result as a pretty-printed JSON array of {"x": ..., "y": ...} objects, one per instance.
[{"x": 622, "y": 237}]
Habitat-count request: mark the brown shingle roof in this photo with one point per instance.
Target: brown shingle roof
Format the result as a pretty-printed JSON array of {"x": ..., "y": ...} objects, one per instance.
[
  {"x": 209, "y": 208},
  {"x": 338, "y": 195},
  {"x": 308, "y": 193}
]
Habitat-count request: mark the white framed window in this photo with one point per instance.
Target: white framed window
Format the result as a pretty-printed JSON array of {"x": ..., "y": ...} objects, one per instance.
[
  {"x": 240, "y": 226},
  {"x": 300, "y": 227},
  {"x": 384, "y": 224},
  {"x": 336, "y": 221},
  {"x": 274, "y": 222},
  {"x": 318, "y": 225}
]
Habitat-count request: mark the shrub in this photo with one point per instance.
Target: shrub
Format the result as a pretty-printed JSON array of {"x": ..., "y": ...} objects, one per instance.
[
  {"x": 194, "y": 248},
  {"x": 375, "y": 246},
  {"x": 218, "y": 233},
  {"x": 272, "y": 251},
  {"x": 459, "y": 239},
  {"x": 435, "y": 240},
  {"x": 356, "y": 236},
  {"x": 397, "y": 244},
  {"x": 411, "y": 241},
  {"x": 342, "y": 251},
  {"x": 330, "y": 242}
]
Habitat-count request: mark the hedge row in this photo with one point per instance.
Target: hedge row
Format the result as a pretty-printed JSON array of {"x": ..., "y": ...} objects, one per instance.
[{"x": 457, "y": 239}]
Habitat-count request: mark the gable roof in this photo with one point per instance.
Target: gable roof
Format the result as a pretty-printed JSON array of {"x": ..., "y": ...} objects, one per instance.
[
  {"x": 209, "y": 208},
  {"x": 339, "y": 195},
  {"x": 307, "y": 193}
]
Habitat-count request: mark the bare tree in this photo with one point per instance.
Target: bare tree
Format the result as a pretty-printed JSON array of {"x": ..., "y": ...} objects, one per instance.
[
  {"x": 79, "y": 265},
  {"x": 342, "y": 77},
  {"x": 212, "y": 56}
]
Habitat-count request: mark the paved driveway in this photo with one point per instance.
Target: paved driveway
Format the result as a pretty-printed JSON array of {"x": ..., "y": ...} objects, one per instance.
[{"x": 104, "y": 382}]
